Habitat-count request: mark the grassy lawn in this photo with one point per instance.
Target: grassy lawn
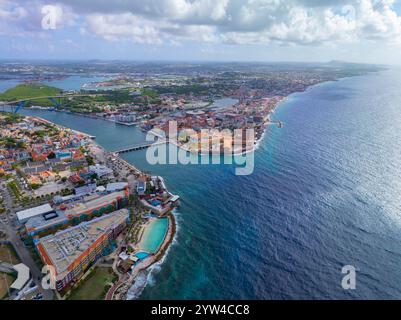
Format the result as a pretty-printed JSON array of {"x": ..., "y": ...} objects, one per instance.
[
  {"x": 34, "y": 90},
  {"x": 94, "y": 287},
  {"x": 150, "y": 93},
  {"x": 7, "y": 252},
  {"x": 5, "y": 281}
]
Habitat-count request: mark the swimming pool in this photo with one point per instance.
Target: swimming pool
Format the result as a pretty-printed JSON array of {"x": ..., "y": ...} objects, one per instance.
[
  {"x": 155, "y": 203},
  {"x": 141, "y": 255},
  {"x": 154, "y": 235}
]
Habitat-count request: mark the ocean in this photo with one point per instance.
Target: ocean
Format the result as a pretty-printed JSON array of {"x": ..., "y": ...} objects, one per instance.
[{"x": 325, "y": 193}]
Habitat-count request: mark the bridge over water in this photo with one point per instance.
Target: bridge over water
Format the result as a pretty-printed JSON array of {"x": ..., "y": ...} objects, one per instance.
[
  {"x": 139, "y": 146},
  {"x": 17, "y": 105}
]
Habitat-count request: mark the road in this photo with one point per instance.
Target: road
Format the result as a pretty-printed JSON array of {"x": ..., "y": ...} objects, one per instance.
[
  {"x": 26, "y": 259},
  {"x": 22, "y": 251}
]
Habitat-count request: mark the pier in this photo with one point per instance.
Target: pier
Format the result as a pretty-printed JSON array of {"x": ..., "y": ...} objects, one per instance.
[{"x": 278, "y": 123}]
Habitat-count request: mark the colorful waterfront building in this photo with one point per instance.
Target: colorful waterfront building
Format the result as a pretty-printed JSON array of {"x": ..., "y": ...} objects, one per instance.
[
  {"x": 73, "y": 251},
  {"x": 76, "y": 212}
]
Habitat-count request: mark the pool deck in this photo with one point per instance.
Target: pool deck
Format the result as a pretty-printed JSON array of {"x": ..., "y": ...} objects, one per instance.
[{"x": 119, "y": 290}]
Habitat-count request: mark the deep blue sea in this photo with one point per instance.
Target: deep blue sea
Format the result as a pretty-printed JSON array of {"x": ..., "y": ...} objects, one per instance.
[{"x": 326, "y": 192}]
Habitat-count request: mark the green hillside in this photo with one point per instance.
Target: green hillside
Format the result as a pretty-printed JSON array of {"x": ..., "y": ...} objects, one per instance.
[{"x": 29, "y": 91}]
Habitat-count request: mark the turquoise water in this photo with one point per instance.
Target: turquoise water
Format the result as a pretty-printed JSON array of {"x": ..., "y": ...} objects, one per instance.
[
  {"x": 325, "y": 193},
  {"x": 154, "y": 235},
  {"x": 141, "y": 255}
]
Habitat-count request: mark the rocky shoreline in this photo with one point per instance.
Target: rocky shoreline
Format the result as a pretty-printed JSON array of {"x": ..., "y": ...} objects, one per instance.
[{"x": 120, "y": 289}]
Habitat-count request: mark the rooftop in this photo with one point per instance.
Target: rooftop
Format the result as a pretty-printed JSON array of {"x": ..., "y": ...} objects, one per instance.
[
  {"x": 116, "y": 186},
  {"x": 32, "y": 212},
  {"x": 64, "y": 247},
  {"x": 40, "y": 222},
  {"x": 22, "y": 278},
  {"x": 93, "y": 202}
]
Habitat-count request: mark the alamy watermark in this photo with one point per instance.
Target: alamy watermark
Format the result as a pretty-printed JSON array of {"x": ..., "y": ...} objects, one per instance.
[
  {"x": 348, "y": 282},
  {"x": 50, "y": 15},
  {"x": 49, "y": 278}
]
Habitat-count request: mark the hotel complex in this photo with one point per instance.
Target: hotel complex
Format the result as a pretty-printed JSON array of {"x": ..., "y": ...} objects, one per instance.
[
  {"x": 77, "y": 230},
  {"x": 72, "y": 251},
  {"x": 44, "y": 220}
]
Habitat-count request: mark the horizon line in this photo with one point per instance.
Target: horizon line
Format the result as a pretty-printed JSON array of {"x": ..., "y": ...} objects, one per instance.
[{"x": 187, "y": 61}]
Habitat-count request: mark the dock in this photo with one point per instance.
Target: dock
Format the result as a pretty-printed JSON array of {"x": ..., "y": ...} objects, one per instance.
[{"x": 278, "y": 123}]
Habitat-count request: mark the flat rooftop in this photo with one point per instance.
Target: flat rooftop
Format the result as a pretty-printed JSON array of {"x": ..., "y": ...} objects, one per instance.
[
  {"x": 93, "y": 202},
  {"x": 33, "y": 212},
  {"x": 39, "y": 222},
  {"x": 64, "y": 247},
  {"x": 75, "y": 208},
  {"x": 22, "y": 278}
]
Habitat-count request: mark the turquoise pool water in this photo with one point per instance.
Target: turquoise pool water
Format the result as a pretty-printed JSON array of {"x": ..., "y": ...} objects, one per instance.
[
  {"x": 141, "y": 255},
  {"x": 154, "y": 234}
]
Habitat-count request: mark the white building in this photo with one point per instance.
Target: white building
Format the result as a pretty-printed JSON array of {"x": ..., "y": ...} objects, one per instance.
[
  {"x": 128, "y": 117},
  {"x": 24, "y": 215},
  {"x": 100, "y": 170},
  {"x": 22, "y": 278},
  {"x": 116, "y": 186}
]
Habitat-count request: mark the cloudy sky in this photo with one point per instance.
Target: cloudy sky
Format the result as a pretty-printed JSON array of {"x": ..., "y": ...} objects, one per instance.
[{"x": 214, "y": 30}]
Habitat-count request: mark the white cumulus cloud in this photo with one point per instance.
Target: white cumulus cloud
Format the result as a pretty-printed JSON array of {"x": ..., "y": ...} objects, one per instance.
[{"x": 292, "y": 22}]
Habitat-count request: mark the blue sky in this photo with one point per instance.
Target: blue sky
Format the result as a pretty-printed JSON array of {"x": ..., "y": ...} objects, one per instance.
[{"x": 210, "y": 30}]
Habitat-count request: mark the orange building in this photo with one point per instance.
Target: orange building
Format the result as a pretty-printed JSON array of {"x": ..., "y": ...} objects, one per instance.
[
  {"x": 77, "y": 212},
  {"x": 73, "y": 251}
]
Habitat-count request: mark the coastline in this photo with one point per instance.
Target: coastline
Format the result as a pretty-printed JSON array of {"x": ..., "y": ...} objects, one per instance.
[
  {"x": 268, "y": 122},
  {"x": 119, "y": 290},
  {"x": 97, "y": 117},
  {"x": 120, "y": 286},
  {"x": 169, "y": 237},
  {"x": 257, "y": 144}
]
